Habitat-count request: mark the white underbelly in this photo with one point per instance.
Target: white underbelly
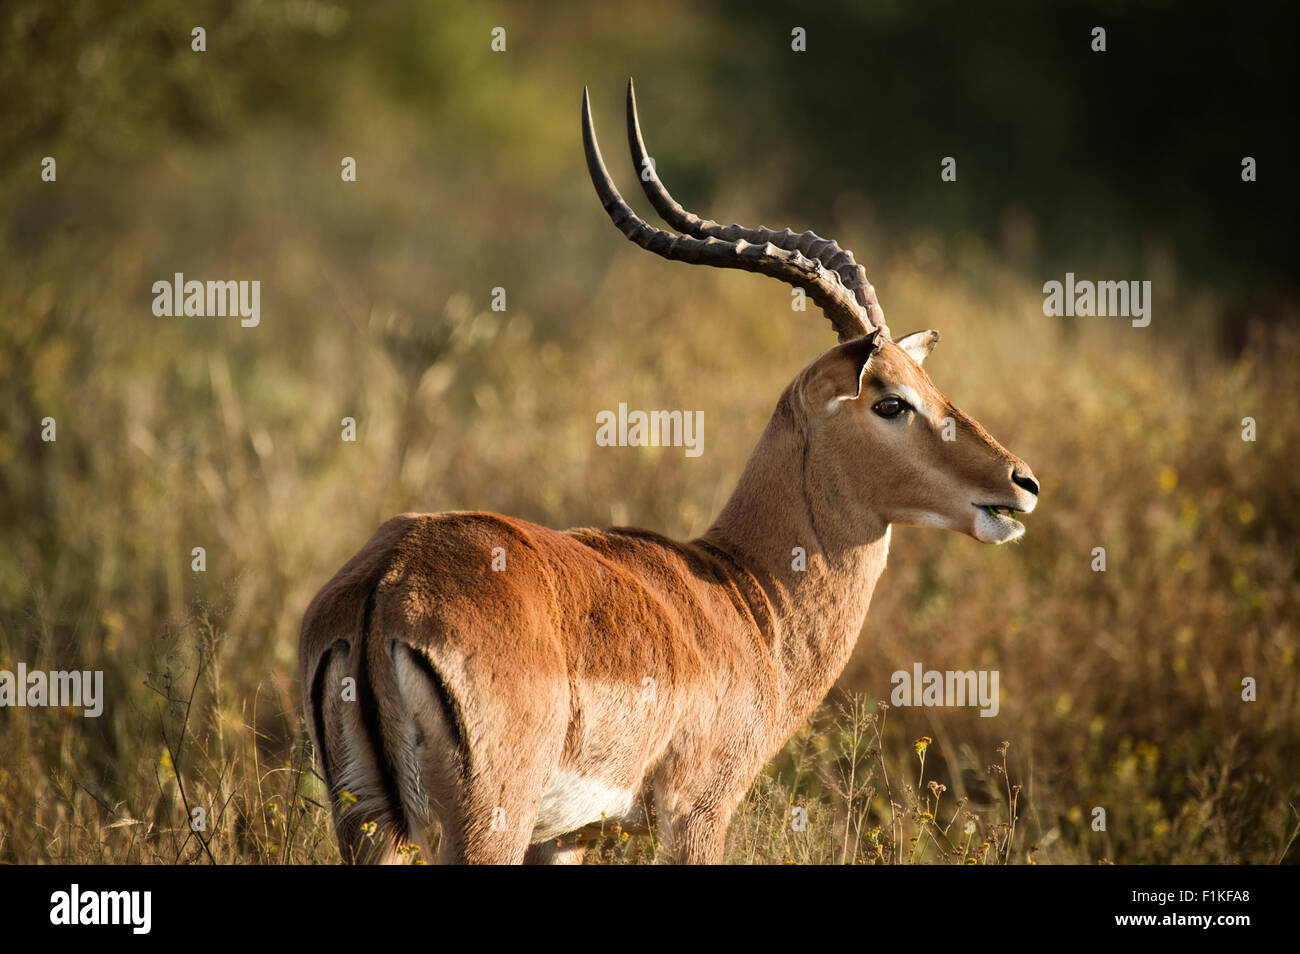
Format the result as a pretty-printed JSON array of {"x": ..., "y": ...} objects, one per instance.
[{"x": 574, "y": 801}]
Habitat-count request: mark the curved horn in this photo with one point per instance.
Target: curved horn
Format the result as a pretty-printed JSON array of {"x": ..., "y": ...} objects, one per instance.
[
  {"x": 826, "y": 251},
  {"x": 791, "y": 266}
]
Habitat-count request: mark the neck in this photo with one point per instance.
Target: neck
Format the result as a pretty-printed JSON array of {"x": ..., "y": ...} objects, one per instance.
[{"x": 816, "y": 606}]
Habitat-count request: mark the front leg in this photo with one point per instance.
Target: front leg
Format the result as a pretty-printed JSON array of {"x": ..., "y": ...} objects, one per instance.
[
  {"x": 556, "y": 851},
  {"x": 697, "y": 836}
]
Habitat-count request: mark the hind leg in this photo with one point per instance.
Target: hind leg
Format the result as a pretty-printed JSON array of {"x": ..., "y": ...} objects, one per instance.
[
  {"x": 490, "y": 819},
  {"x": 486, "y": 800},
  {"x": 370, "y": 830}
]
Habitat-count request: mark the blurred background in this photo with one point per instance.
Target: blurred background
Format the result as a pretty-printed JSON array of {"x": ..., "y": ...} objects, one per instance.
[{"x": 1119, "y": 689}]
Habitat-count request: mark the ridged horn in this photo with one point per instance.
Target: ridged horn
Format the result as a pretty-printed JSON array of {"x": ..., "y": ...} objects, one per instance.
[{"x": 851, "y": 308}]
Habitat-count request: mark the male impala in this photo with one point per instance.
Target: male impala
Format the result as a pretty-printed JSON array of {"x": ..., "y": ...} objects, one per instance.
[{"x": 616, "y": 674}]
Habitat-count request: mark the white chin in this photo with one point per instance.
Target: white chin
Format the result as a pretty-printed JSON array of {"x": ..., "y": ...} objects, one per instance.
[{"x": 995, "y": 529}]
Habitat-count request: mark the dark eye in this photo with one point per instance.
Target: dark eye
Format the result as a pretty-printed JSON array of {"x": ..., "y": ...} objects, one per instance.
[{"x": 890, "y": 407}]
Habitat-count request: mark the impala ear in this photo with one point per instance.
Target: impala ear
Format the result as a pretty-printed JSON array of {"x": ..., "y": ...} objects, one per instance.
[
  {"x": 837, "y": 375},
  {"x": 918, "y": 344}
]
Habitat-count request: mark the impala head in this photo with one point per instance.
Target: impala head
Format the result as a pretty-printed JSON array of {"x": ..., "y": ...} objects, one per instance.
[
  {"x": 876, "y": 421},
  {"x": 877, "y": 429}
]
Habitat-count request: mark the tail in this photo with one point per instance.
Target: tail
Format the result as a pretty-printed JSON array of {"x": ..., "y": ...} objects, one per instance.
[{"x": 391, "y": 744}]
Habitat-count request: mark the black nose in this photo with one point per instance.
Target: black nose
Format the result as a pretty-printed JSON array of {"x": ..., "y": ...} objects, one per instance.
[{"x": 1025, "y": 479}]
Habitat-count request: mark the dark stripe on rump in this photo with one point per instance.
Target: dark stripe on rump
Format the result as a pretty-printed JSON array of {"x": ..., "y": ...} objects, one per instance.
[
  {"x": 450, "y": 710},
  {"x": 318, "y": 707}
]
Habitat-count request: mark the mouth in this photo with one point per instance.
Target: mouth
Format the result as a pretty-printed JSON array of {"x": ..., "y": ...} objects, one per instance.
[{"x": 995, "y": 523}]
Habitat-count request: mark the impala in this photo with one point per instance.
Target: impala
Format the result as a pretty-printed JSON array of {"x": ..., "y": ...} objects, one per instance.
[{"x": 515, "y": 685}]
